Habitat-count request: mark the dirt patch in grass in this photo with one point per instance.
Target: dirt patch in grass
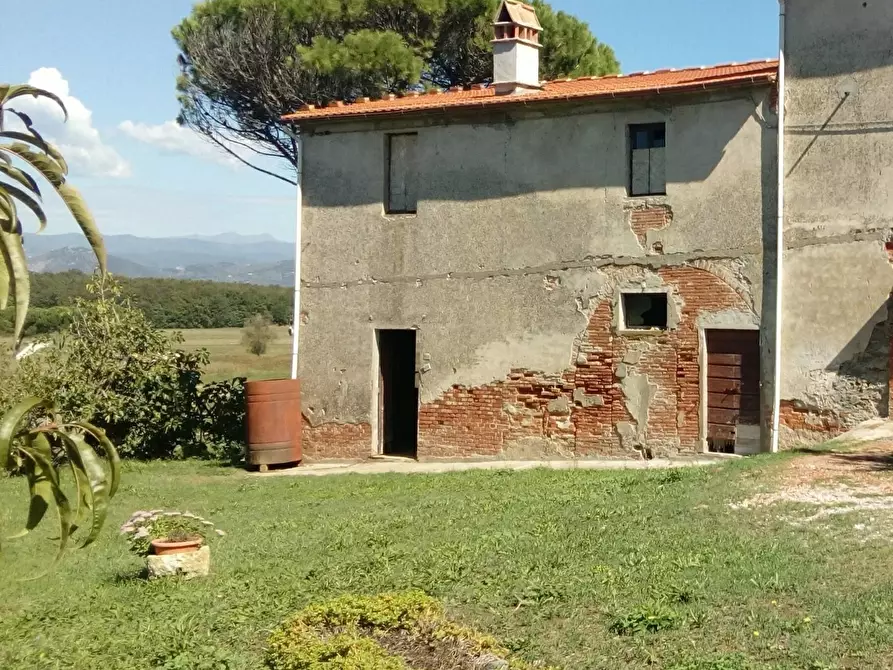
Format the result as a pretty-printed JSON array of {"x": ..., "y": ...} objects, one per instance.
[
  {"x": 849, "y": 480},
  {"x": 867, "y": 465},
  {"x": 422, "y": 651}
]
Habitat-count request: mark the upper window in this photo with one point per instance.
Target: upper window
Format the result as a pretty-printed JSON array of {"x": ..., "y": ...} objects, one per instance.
[
  {"x": 647, "y": 144},
  {"x": 402, "y": 177}
]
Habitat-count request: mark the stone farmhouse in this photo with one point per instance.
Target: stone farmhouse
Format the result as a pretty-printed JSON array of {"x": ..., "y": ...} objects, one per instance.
[{"x": 591, "y": 267}]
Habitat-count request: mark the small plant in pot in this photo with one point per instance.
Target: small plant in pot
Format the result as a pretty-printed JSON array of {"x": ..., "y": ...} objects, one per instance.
[{"x": 161, "y": 532}]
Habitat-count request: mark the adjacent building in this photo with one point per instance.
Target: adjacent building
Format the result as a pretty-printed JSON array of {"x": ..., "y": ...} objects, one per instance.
[{"x": 588, "y": 267}]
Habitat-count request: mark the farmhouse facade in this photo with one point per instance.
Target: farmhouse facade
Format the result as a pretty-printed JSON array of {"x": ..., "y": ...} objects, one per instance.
[{"x": 588, "y": 267}]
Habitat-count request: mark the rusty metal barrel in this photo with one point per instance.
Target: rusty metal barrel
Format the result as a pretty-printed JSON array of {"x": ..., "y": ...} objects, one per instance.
[{"x": 273, "y": 422}]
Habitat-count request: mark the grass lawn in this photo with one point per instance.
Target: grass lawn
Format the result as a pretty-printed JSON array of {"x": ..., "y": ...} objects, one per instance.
[
  {"x": 229, "y": 358},
  {"x": 581, "y": 569}
]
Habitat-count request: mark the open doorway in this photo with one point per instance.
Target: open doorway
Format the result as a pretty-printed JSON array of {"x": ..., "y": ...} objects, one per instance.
[{"x": 398, "y": 397}]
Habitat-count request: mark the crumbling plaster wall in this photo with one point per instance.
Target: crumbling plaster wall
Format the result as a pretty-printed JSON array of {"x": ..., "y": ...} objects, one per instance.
[
  {"x": 839, "y": 213},
  {"x": 523, "y": 229}
]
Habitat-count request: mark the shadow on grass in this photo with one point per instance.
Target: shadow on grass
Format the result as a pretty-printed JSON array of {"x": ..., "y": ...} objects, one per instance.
[
  {"x": 865, "y": 461},
  {"x": 138, "y": 575}
]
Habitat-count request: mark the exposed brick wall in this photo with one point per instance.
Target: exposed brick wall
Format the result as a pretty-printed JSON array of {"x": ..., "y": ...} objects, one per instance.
[
  {"x": 336, "y": 440},
  {"x": 802, "y": 419},
  {"x": 654, "y": 217},
  {"x": 578, "y": 411}
]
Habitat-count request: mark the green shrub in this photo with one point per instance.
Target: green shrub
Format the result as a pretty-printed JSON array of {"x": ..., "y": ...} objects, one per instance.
[
  {"x": 388, "y": 611},
  {"x": 341, "y": 633},
  {"x": 257, "y": 334},
  {"x": 132, "y": 380}
]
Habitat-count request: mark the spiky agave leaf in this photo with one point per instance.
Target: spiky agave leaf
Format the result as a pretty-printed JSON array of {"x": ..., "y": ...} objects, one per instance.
[
  {"x": 78, "y": 208},
  {"x": 40, "y": 483},
  {"x": 4, "y": 283},
  {"x": 20, "y": 176},
  {"x": 35, "y": 452},
  {"x": 45, "y": 163},
  {"x": 85, "y": 459},
  {"x": 28, "y": 200},
  {"x": 54, "y": 172},
  {"x": 35, "y": 139},
  {"x": 11, "y": 91},
  {"x": 111, "y": 453},
  {"x": 14, "y": 256},
  {"x": 11, "y": 422}
]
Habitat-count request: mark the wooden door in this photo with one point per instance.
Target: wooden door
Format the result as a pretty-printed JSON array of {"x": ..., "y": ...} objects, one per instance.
[{"x": 733, "y": 385}]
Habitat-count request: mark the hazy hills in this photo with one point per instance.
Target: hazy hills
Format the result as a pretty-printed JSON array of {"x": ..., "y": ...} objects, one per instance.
[{"x": 228, "y": 257}]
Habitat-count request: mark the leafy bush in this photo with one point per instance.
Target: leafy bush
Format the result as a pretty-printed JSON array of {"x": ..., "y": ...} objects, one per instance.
[
  {"x": 113, "y": 367},
  {"x": 143, "y": 527},
  {"x": 258, "y": 334}
]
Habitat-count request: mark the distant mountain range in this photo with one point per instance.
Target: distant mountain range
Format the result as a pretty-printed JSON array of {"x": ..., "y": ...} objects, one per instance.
[{"x": 228, "y": 257}]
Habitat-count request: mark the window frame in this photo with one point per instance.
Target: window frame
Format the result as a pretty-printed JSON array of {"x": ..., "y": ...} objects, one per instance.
[
  {"x": 388, "y": 169},
  {"x": 632, "y": 130},
  {"x": 623, "y": 325}
]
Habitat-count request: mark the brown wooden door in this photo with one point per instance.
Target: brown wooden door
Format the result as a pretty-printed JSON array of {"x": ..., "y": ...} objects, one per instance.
[{"x": 733, "y": 383}]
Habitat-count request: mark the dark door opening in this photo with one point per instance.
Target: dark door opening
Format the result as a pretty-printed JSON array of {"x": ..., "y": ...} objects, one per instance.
[
  {"x": 733, "y": 387},
  {"x": 398, "y": 397}
]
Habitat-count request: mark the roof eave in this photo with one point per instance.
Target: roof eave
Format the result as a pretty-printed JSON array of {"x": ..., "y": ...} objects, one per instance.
[{"x": 743, "y": 81}]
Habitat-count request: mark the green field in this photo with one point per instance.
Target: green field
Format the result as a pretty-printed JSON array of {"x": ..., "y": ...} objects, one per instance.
[
  {"x": 229, "y": 358},
  {"x": 581, "y": 569}
]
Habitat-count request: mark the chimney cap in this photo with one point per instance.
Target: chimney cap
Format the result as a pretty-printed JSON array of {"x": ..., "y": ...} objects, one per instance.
[{"x": 513, "y": 12}]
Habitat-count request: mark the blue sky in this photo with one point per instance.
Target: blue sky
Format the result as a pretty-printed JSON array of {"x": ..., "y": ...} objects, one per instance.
[{"x": 141, "y": 175}]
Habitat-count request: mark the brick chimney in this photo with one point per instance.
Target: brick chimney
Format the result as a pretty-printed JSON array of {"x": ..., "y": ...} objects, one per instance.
[{"x": 516, "y": 48}]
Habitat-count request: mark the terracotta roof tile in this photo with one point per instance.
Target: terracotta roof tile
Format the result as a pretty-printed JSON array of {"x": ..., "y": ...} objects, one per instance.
[{"x": 612, "y": 86}]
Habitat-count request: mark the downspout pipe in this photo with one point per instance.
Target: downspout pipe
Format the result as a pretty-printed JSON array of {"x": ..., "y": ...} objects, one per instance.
[
  {"x": 779, "y": 252},
  {"x": 299, "y": 206}
]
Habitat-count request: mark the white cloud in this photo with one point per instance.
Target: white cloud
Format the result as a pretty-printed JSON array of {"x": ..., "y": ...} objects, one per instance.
[
  {"x": 77, "y": 139},
  {"x": 172, "y": 137}
]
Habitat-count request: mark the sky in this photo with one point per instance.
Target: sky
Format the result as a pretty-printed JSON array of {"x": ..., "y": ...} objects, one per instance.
[{"x": 114, "y": 63}]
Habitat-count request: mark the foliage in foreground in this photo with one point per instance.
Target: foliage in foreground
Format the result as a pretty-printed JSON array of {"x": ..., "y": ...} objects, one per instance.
[
  {"x": 33, "y": 439},
  {"x": 344, "y": 633},
  {"x": 112, "y": 367},
  {"x": 26, "y": 146}
]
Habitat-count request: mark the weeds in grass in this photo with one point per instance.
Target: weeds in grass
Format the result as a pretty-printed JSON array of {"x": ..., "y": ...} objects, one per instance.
[
  {"x": 577, "y": 549},
  {"x": 645, "y": 619}
]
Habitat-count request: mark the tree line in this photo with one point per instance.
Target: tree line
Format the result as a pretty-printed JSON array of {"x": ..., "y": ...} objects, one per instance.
[{"x": 168, "y": 303}]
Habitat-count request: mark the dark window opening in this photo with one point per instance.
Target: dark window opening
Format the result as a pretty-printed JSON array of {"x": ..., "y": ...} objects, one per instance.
[
  {"x": 645, "y": 311},
  {"x": 402, "y": 174},
  {"x": 647, "y": 172},
  {"x": 398, "y": 397}
]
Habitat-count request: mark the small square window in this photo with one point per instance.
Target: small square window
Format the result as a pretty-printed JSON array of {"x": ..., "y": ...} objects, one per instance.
[
  {"x": 644, "y": 311},
  {"x": 647, "y": 145}
]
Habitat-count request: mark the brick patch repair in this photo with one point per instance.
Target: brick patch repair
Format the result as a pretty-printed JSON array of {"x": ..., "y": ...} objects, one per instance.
[{"x": 652, "y": 217}]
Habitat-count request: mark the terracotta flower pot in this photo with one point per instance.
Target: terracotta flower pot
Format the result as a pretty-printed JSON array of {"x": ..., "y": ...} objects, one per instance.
[{"x": 163, "y": 547}]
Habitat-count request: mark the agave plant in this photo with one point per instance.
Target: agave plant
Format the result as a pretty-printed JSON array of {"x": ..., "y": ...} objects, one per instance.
[
  {"x": 20, "y": 188},
  {"x": 34, "y": 440}
]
